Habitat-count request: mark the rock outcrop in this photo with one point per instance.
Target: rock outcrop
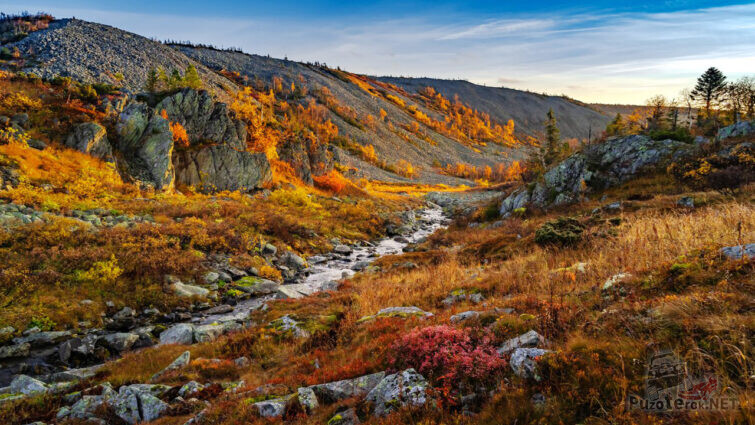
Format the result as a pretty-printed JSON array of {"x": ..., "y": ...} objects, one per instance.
[
  {"x": 145, "y": 142},
  {"x": 742, "y": 128},
  {"x": 91, "y": 138},
  {"x": 215, "y": 158},
  {"x": 599, "y": 166},
  {"x": 307, "y": 157}
]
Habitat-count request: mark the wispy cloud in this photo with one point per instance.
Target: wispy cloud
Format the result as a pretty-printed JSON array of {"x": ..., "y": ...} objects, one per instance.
[{"x": 599, "y": 56}]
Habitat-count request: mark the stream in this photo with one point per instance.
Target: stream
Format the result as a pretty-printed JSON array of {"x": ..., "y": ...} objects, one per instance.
[{"x": 323, "y": 273}]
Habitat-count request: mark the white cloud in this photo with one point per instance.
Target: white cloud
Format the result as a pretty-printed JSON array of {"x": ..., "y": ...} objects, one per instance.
[{"x": 616, "y": 58}]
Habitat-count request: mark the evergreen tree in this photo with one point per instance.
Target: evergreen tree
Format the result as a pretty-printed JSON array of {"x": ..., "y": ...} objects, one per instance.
[
  {"x": 710, "y": 88},
  {"x": 175, "y": 80},
  {"x": 152, "y": 80},
  {"x": 552, "y": 139},
  {"x": 191, "y": 78}
]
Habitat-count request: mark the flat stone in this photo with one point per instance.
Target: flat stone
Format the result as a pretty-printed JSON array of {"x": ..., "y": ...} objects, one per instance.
[
  {"x": 182, "y": 333},
  {"x": 464, "y": 316},
  {"x": 738, "y": 252},
  {"x": 27, "y": 385}
]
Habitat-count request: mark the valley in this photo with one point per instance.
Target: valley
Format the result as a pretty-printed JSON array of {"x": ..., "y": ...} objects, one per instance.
[{"x": 192, "y": 235}]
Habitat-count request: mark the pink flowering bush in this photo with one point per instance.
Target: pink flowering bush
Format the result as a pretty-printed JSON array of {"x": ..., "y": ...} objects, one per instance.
[{"x": 457, "y": 361}]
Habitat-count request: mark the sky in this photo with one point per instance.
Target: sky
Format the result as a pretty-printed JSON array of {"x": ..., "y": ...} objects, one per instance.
[{"x": 594, "y": 51}]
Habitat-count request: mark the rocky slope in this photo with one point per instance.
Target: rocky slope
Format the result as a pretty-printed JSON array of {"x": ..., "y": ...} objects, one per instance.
[
  {"x": 92, "y": 52},
  {"x": 96, "y": 53},
  {"x": 527, "y": 109}
]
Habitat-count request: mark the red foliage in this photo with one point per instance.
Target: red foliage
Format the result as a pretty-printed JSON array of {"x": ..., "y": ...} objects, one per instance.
[{"x": 454, "y": 359}]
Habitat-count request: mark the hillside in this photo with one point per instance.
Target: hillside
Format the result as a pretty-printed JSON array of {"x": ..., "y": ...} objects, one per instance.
[
  {"x": 527, "y": 109},
  {"x": 402, "y": 140}
]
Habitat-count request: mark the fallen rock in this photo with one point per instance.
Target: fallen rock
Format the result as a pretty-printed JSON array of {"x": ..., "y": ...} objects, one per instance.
[
  {"x": 464, "y": 316},
  {"x": 182, "y": 333},
  {"x": 273, "y": 408},
  {"x": 18, "y": 350},
  {"x": 738, "y": 252},
  {"x": 523, "y": 362},
  {"x": 530, "y": 339},
  {"x": 287, "y": 325},
  {"x": 207, "y": 333},
  {"x": 292, "y": 261},
  {"x": 399, "y": 312},
  {"x": 27, "y": 385},
  {"x": 118, "y": 342},
  {"x": 184, "y": 290},
  {"x": 307, "y": 399},
  {"x": 178, "y": 363},
  {"x": 406, "y": 388},
  {"x": 332, "y": 392},
  {"x": 190, "y": 388},
  {"x": 42, "y": 339}
]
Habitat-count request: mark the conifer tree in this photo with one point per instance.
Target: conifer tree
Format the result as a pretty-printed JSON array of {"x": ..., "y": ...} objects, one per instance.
[
  {"x": 710, "y": 88},
  {"x": 152, "y": 80},
  {"x": 552, "y": 139}
]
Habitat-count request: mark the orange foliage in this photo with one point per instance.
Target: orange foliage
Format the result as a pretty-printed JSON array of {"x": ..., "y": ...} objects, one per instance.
[
  {"x": 179, "y": 134},
  {"x": 333, "y": 181}
]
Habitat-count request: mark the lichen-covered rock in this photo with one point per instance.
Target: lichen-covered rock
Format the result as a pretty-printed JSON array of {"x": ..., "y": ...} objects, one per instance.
[
  {"x": 287, "y": 325},
  {"x": 464, "y": 316},
  {"x": 530, "y": 339},
  {"x": 406, "y": 388},
  {"x": 185, "y": 290},
  {"x": 332, "y": 392},
  {"x": 90, "y": 138},
  {"x": 178, "y": 363},
  {"x": 217, "y": 168},
  {"x": 307, "y": 399},
  {"x": 742, "y": 128},
  {"x": 27, "y": 385},
  {"x": 292, "y": 261},
  {"x": 145, "y": 144},
  {"x": 182, "y": 333},
  {"x": 597, "y": 167},
  {"x": 739, "y": 251},
  {"x": 17, "y": 350},
  {"x": 119, "y": 342},
  {"x": 134, "y": 406},
  {"x": 190, "y": 388},
  {"x": 523, "y": 362},
  {"x": 273, "y": 408},
  {"x": 397, "y": 312},
  {"x": 256, "y": 286},
  {"x": 207, "y": 333},
  {"x": 205, "y": 120}
]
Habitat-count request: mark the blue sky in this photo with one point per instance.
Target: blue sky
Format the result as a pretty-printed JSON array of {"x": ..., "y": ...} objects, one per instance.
[{"x": 601, "y": 51}]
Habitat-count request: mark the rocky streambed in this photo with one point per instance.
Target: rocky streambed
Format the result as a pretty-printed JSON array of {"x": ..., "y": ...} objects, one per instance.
[{"x": 57, "y": 357}]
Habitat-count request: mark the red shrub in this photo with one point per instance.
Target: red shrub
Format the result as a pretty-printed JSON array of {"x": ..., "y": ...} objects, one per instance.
[{"x": 454, "y": 359}]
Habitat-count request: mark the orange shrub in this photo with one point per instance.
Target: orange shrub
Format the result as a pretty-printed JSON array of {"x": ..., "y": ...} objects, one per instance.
[{"x": 333, "y": 181}]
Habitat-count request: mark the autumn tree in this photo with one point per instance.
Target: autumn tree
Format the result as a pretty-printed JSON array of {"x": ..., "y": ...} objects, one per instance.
[
  {"x": 616, "y": 127},
  {"x": 656, "y": 118},
  {"x": 741, "y": 98},
  {"x": 710, "y": 89},
  {"x": 191, "y": 78}
]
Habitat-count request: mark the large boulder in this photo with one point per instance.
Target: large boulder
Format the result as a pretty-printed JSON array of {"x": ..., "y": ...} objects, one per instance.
[
  {"x": 406, "y": 388},
  {"x": 597, "y": 167},
  {"x": 136, "y": 404},
  {"x": 91, "y": 138},
  {"x": 523, "y": 362},
  {"x": 145, "y": 143},
  {"x": 217, "y": 168},
  {"x": 306, "y": 156}
]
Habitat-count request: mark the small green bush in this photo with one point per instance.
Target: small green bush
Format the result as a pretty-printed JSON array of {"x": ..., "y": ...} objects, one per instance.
[{"x": 562, "y": 231}]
